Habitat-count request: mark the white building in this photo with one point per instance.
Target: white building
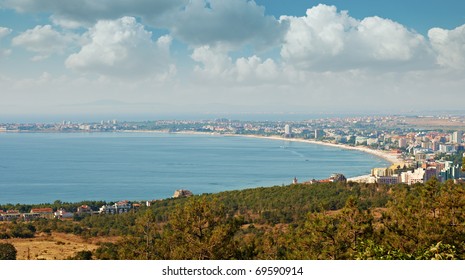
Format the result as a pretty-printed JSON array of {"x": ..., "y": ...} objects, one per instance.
[
  {"x": 319, "y": 133},
  {"x": 456, "y": 137},
  {"x": 410, "y": 178},
  {"x": 287, "y": 131},
  {"x": 371, "y": 141},
  {"x": 402, "y": 142},
  {"x": 117, "y": 208},
  {"x": 62, "y": 214}
]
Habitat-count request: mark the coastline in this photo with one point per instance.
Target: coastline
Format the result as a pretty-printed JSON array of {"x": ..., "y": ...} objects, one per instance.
[
  {"x": 367, "y": 178},
  {"x": 393, "y": 159},
  {"x": 389, "y": 157}
]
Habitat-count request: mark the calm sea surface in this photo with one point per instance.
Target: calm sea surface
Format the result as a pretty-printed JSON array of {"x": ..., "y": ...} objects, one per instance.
[{"x": 44, "y": 167}]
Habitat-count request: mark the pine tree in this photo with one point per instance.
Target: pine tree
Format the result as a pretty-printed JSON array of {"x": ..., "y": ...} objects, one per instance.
[
  {"x": 7, "y": 251},
  {"x": 199, "y": 230}
]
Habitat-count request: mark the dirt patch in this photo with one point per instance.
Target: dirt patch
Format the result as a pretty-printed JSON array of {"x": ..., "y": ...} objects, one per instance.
[
  {"x": 433, "y": 122},
  {"x": 57, "y": 246}
]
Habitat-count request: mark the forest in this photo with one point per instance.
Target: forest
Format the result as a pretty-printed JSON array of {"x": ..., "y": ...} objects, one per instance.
[{"x": 328, "y": 221}]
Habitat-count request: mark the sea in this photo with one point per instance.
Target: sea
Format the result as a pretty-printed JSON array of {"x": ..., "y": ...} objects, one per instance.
[{"x": 73, "y": 167}]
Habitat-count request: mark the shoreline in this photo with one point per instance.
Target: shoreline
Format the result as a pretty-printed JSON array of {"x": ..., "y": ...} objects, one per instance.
[
  {"x": 391, "y": 158},
  {"x": 387, "y": 156},
  {"x": 366, "y": 178}
]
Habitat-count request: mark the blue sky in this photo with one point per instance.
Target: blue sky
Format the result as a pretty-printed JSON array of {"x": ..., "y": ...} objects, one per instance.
[
  {"x": 420, "y": 15},
  {"x": 119, "y": 58}
]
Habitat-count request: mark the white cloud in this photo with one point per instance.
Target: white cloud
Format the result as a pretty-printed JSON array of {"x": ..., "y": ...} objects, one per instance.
[
  {"x": 216, "y": 66},
  {"x": 326, "y": 39},
  {"x": 4, "y": 31},
  {"x": 231, "y": 23},
  {"x": 252, "y": 68},
  {"x": 449, "y": 45},
  {"x": 65, "y": 22},
  {"x": 226, "y": 23},
  {"x": 121, "y": 48},
  {"x": 386, "y": 40},
  {"x": 73, "y": 13},
  {"x": 214, "y": 62},
  {"x": 44, "y": 41},
  {"x": 329, "y": 60}
]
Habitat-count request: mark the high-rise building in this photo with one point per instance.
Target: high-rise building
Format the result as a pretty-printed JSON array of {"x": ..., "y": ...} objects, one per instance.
[
  {"x": 319, "y": 133},
  {"x": 435, "y": 145},
  {"x": 287, "y": 130},
  {"x": 456, "y": 137},
  {"x": 402, "y": 142}
]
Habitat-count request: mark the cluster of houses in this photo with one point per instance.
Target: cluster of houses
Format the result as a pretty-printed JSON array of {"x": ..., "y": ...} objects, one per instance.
[
  {"x": 424, "y": 170},
  {"x": 35, "y": 213},
  {"x": 48, "y": 213},
  {"x": 336, "y": 177},
  {"x": 119, "y": 207}
]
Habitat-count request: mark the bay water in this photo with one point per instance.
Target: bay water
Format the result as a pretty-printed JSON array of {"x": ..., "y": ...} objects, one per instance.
[{"x": 72, "y": 167}]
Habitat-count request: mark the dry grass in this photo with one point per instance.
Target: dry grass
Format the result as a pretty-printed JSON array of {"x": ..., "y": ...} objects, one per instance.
[
  {"x": 432, "y": 122},
  {"x": 57, "y": 246}
]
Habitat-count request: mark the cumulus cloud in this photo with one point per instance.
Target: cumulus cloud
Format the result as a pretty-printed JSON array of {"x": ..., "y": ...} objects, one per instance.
[
  {"x": 197, "y": 22},
  {"x": 73, "y": 13},
  {"x": 3, "y": 33},
  {"x": 326, "y": 39},
  {"x": 122, "y": 48},
  {"x": 214, "y": 62},
  {"x": 230, "y": 23},
  {"x": 216, "y": 65},
  {"x": 449, "y": 46},
  {"x": 44, "y": 41},
  {"x": 225, "y": 22}
]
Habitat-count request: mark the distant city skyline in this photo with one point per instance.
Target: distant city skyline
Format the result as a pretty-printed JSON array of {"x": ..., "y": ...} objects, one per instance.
[{"x": 149, "y": 59}]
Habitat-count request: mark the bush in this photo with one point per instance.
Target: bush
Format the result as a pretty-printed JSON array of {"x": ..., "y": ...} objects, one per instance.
[
  {"x": 7, "y": 251},
  {"x": 82, "y": 255}
]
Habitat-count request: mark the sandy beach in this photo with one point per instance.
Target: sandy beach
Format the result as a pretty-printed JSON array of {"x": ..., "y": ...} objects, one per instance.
[{"x": 392, "y": 158}]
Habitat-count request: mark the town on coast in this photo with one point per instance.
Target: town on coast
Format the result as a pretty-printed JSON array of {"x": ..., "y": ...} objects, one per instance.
[
  {"x": 419, "y": 158},
  {"x": 417, "y": 147}
]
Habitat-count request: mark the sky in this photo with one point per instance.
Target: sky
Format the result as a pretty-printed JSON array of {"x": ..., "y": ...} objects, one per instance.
[{"x": 156, "y": 58}]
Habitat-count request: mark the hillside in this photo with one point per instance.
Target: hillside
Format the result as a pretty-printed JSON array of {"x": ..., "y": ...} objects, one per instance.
[{"x": 319, "y": 221}]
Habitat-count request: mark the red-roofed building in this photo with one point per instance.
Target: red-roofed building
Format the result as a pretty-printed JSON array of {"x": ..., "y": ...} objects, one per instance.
[
  {"x": 10, "y": 215},
  {"x": 43, "y": 212}
]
